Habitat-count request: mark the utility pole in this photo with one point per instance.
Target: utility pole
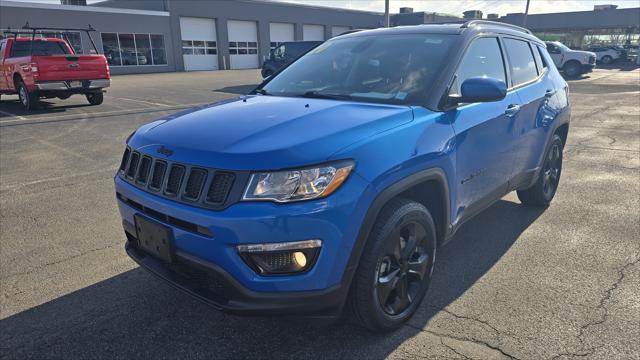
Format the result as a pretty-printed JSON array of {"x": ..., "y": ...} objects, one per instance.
[
  {"x": 526, "y": 13},
  {"x": 386, "y": 13}
]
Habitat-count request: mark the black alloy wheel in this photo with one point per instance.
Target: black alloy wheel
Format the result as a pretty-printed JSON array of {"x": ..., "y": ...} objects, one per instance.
[
  {"x": 551, "y": 171},
  {"x": 395, "y": 268},
  {"x": 402, "y": 268},
  {"x": 545, "y": 187}
]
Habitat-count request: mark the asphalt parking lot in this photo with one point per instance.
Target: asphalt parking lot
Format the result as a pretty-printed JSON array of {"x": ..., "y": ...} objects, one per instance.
[{"x": 515, "y": 282}]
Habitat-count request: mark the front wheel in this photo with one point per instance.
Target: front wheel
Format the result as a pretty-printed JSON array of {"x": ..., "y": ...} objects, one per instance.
[
  {"x": 29, "y": 100},
  {"x": 395, "y": 268},
  {"x": 572, "y": 69},
  {"x": 543, "y": 191},
  {"x": 95, "y": 98}
]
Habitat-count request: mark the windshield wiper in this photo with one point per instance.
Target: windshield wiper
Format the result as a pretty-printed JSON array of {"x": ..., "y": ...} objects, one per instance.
[
  {"x": 318, "y": 95},
  {"x": 262, "y": 92}
]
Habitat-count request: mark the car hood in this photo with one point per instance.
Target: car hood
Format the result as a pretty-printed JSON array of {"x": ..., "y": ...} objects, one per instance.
[{"x": 266, "y": 132}]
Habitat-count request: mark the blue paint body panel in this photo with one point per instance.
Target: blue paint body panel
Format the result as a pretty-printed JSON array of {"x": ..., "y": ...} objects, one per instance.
[{"x": 482, "y": 151}]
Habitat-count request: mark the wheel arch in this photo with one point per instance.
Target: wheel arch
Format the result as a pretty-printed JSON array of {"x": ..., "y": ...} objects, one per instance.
[
  {"x": 413, "y": 188},
  {"x": 17, "y": 78}
]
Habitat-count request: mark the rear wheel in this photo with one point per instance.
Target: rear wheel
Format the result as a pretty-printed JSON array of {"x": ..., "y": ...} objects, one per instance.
[
  {"x": 29, "y": 100},
  {"x": 543, "y": 191},
  {"x": 395, "y": 268},
  {"x": 95, "y": 98}
]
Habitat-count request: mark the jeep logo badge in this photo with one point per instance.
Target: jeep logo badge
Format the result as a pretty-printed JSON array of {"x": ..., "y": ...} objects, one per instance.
[{"x": 164, "y": 151}]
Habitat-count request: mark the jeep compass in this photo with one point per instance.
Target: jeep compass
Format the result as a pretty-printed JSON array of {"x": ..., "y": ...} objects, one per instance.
[{"x": 330, "y": 187}]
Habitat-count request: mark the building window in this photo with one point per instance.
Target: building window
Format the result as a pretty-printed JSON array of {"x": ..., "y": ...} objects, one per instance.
[
  {"x": 199, "y": 47},
  {"x": 243, "y": 48},
  {"x": 134, "y": 49}
]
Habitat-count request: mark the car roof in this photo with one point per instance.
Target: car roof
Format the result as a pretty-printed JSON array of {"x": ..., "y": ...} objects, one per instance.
[
  {"x": 469, "y": 27},
  {"x": 37, "y": 39}
]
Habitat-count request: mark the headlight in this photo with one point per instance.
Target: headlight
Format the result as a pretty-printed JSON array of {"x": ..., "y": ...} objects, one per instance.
[{"x": 298, "y": 184}]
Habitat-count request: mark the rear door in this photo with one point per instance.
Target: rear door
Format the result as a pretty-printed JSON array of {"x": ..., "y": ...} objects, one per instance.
[
  {"x": 533, "y": 87},
  {"x": 484, "y": 132}
]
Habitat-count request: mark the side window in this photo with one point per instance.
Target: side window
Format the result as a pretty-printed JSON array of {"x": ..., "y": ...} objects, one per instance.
[
  {"x": 539, "y": 62},
  {"x": 543, "y": 61},
  {"x": 552, "y": 49},
  {"x": 2, "y": 46},
  {"x": 522, "y": 65},
  {"x": 279, "y": 52},
  {"x": 482, "y": 59}
]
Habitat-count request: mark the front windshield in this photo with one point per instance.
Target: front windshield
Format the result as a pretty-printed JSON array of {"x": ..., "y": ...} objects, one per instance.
[{"x": 396, "y": 69}]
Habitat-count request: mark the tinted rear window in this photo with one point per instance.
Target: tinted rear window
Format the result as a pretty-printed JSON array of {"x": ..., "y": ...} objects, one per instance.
[
  {"x": 523, "y": 67},
  {"x": 40, "y": 47}
]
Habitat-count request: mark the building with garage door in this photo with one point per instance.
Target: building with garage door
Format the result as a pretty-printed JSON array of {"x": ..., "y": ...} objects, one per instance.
[{"x": 139, "y": 36}]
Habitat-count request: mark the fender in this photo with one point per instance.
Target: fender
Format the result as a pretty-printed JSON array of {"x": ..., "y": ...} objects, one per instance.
[{"x": 382, "y": 199}]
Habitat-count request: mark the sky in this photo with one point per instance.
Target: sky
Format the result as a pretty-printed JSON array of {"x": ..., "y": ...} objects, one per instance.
[{"x": 453, "y": 7}]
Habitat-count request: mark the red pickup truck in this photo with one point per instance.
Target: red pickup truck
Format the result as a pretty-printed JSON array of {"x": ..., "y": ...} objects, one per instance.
[{"x": 37, "y": 68}]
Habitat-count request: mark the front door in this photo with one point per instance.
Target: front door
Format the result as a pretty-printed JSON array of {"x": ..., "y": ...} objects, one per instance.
[{"x": 484, "y": 133}]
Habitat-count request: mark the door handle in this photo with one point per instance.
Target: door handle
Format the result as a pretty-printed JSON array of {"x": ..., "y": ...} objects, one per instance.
[
  {"x": 550, "y": 93},
  {"x": 512, "y": 110}
]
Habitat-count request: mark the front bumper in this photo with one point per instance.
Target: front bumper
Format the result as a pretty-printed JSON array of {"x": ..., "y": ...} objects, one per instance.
[
  {"x": 65, "y": 85},
  {"x": 214, "y": 286},
  {"x": 208, "y": 250}
]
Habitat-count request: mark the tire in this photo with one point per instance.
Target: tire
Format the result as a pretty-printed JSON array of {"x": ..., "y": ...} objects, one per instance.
[
  {"x": 607, "y": 60},
  {"x": 572, "y": 69},
  {"x": 64, "y": 97},
  {"x": 395, "y": 269},
  {"x": 28, "y": 100},
  {"x": 543, "y": 191},
  {"x": 95, "y": 98}
]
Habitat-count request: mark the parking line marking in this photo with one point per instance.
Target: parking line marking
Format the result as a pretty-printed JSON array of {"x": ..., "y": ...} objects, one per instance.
[
  {"x": 143, "y": 101},
  {"x": 12, "y": 115},
  {"x": 86, "y": 116}
]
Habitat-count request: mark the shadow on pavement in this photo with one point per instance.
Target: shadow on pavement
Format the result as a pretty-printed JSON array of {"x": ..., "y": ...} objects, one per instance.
[
  {"x": 15, "y": 108},
  {"x": 135, "y": 315}
]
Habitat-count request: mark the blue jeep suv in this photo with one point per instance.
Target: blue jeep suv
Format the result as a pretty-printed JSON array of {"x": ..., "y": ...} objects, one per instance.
[{"x": 333, "y": 183}]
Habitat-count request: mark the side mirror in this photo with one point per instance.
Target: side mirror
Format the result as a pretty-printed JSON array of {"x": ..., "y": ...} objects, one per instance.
[{"x": 482, "y": 89}]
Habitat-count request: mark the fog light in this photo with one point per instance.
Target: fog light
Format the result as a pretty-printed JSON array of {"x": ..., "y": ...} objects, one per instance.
[{"x": 281, "y": 258}]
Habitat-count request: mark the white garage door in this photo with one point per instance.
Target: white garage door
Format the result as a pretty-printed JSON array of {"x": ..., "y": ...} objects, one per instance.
[
  {"x": 279, "y": 33},
  {"x": 199, "y": 44},
  {"x": 313, "y": 32},
  {"x": 338, "y": 30},
  {"x": 243, "y": 44}
]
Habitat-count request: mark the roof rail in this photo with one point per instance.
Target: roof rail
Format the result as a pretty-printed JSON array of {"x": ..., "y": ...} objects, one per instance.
[{"x": 495, "y": 23}]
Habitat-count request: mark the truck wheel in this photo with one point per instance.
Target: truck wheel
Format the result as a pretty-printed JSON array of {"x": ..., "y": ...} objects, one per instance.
[
  {"x": 395, "y": 268},
  {"x": 607, "y": 60},
  {"x": 543, "y": 191},
  {"x": 29, "y": 100},
  {"x": 95, "y": 98},
  {"x": 572, "y": 69}
]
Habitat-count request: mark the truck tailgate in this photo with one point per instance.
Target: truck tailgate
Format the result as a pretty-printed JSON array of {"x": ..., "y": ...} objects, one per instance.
[{"x": 71, "y": 67}]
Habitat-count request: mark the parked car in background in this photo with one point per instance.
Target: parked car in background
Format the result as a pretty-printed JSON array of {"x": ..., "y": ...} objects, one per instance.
[
  {"x": 284, "y": 54},
  {"x": 571, "y": 62},
  {"x": 605, "y": 55},
  {"x": 333, "y": 183},
  {"x": 36, "y": 67},
  {"x": 133, "y": 58}
]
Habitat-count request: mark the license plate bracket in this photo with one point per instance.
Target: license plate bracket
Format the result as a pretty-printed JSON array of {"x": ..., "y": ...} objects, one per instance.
[
  {"x": 75, "y": 84},
  {"x": 155, "y": 238}
]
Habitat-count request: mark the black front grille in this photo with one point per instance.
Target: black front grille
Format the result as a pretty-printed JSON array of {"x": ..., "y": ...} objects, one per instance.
[
  {"x": 198, "y": 186},
  {"x": 175, "y": 180},
  {"x": 194, "y": 184},
  {"x": 133, "y": 165},
  {"x": 219, "y": 188},
  {"x": 143, "y": 172},
  {"x": 125, "y": 159},
  {"x": 158, "y": 175}
]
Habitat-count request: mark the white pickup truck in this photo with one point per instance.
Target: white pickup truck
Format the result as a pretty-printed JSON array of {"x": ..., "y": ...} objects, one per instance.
[{"x": 571, "y": 62}]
